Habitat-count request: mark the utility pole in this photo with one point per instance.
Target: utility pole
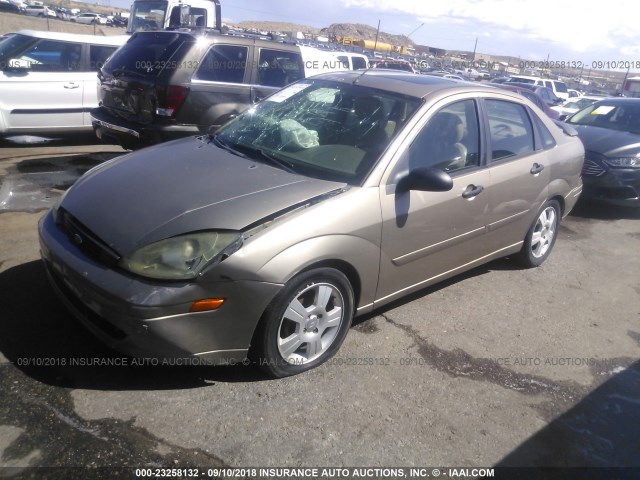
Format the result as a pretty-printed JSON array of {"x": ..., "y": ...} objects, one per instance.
[
  {"x": 376, "y": 44},
  {"x": 625, "y": 80},
  {"x": 473, "y": 59}
]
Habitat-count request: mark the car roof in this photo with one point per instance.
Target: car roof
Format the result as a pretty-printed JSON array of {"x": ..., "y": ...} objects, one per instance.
[
  {"x": 620, "y": 100},
  {"x": 216, "y": 37},
  {"x": 400, "y": 82},
  {"x": 114, "y": 40}
]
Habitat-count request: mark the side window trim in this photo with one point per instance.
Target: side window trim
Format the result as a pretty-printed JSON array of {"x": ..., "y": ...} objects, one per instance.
[
  {"x": 537, "y": 133},
  {"x": 489, "y": 140},
  {"x": 398, "y": 165},
  {"x": 245, "y": 76}
]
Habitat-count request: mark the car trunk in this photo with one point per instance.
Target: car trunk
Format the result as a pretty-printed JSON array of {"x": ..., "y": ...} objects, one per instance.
[{"x": 138, "y": 81}]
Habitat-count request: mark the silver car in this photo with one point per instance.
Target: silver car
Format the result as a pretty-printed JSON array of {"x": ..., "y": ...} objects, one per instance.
[{"x": 333, "y": 197}]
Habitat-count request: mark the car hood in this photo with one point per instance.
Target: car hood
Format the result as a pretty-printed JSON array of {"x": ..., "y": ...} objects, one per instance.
[
  {"x": 180, "y": 187},
  {"x": 611, "y": 143}
]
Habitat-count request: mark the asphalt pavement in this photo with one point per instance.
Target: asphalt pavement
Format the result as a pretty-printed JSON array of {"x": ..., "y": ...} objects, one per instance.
[{"x": 501, "y": 366}]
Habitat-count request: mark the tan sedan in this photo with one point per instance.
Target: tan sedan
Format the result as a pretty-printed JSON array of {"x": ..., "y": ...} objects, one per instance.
[{"x": 333, "y": 197}]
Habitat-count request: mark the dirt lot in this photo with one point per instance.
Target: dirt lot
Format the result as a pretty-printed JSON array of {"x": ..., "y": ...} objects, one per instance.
[{"x": 500, "y": 366}]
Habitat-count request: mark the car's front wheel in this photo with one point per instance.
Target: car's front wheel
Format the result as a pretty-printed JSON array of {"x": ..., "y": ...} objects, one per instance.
[
  {"x": 305, "y": 324},
  {"x": 541, "y": 235}
]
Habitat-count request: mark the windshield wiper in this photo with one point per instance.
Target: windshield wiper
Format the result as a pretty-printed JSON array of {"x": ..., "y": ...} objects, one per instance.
[
  {"x": 222, "y": 144},
  {"x": 273, "y": 159}
]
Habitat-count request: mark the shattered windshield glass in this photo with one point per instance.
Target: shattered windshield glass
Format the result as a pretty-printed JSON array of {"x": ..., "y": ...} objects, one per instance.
[{"x": 323, "y": 129}]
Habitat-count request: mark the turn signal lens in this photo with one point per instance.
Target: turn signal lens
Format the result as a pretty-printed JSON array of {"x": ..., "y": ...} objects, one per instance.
[{"x": 206, "y": 304}]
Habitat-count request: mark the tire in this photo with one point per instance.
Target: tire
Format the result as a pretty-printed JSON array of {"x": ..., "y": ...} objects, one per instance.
[
  {"x": 542, "y": 235},
  {"x": 305, "y": 324}
]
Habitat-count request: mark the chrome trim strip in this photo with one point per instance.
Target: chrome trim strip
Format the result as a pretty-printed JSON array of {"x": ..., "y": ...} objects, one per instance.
[
  {"x": 369, "y": 305},
  {"x": 117, "y": 128},
  {"x": 240, "y": 350},
  {"x": 409, "y": 257},
  {"x": 508, "y": 219},
  {"x": 461, "y": 267}
]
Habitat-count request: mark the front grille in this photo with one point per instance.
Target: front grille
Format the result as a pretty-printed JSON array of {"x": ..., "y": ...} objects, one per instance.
[
  {"x": 91, "y": 316},
  {"x": 592, "y": 168},
  {"x": 86, "y": 241}
]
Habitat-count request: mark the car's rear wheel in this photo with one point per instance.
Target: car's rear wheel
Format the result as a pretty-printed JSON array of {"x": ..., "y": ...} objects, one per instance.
[
  {"x": 306, "y": 323},
  {"x": 541, "y": 237}
]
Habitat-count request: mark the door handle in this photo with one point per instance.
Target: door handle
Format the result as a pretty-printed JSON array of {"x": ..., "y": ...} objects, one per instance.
[
  {"x": 536, "y": 169},
  {"x": 71, "y": 85},
  {"x": 471, "y": 191}
]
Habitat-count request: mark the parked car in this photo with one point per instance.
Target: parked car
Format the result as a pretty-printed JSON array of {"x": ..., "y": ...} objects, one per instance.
[
  {"x": 117, "y": 21},
  {"x": 450, "y": 76},
  {"x": 470, "y": 73},
  {"x": 7, "y": 6},
  {"x": 353, "y": 61},
  {"x": 337, "y": 195},
  {"x": 400, "y": 65},
  {"x": 40, "y": 11},
  {"x": 48, "y": 81},
  {"x": 572, "y": 105},
  {"x": 89, "y": 18},
  {"x": 545, "y": 93},
  {"x": 610, "y": 132},
  {"x": 558, "y": 87},
  {"x": 63, "y": 14},
  {"x": 163, "y": 85},
  {"x": 531, "y": 95}
]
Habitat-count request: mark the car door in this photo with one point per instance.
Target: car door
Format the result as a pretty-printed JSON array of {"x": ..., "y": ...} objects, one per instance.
[
  {"x": 43, "y": 87},
  {"x": 519, "y": 169},
  {"x": 220, "y": 85},
  {"x": 427, "y": 234},
  {"x": 274, "y": 70}
]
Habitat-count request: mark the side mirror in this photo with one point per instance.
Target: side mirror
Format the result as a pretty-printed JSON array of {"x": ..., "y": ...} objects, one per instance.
[
  {"x": 425, "y": 179},
  {"x": 563, "y": 117}
]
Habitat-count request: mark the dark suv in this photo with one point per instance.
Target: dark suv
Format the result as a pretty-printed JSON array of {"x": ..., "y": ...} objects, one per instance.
[{"x": 163, "y": 85}]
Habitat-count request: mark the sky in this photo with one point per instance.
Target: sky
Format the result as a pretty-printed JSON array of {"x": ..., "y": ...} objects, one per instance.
[{"x": 537, "y": 30}]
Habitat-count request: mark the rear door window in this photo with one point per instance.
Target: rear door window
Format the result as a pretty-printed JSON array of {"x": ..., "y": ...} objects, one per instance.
[
  {"x": 147, "y": 54},
  {"x": 224, "y": 63},
  {"x": 50, "y": 56},
  {"x": 511, "y": 129},
  {"x": 98, "y": 55},
  {"x": 277, "y": 68},
  {"x": 358, "y": 63}
]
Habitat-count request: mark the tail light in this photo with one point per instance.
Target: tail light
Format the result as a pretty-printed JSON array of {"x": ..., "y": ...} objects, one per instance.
[{"x": 170, "y": 99}]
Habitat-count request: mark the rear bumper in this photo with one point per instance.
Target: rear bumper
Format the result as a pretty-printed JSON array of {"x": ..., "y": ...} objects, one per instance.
[{"x": 108, "y": 127}]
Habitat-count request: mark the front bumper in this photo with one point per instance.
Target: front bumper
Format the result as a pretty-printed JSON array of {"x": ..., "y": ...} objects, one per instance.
[
  {"x": 612, "y": 186},
  {"x": 135, "y": 135},
  {"x": 152, "y": 319}
]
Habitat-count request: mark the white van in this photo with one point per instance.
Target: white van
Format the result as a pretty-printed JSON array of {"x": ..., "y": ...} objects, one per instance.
[
  {"x": 318, "y": 61},
  {"x": 631, "y": 87},
  {"x": 353, "y": 61},
  {"x": 558, "y": 87},
  {"x": 49, "y": 81}
]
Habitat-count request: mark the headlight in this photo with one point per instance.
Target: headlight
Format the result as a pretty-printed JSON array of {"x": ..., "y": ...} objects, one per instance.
[
  {"x": 183, "y": 257},
  {"x": 623, "y": 162}
]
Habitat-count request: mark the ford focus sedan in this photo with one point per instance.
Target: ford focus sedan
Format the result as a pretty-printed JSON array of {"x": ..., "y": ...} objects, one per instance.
[{"x": 333, "y": 197}]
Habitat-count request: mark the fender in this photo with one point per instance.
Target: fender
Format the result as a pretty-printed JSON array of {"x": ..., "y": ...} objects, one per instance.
[{"x": 362, "y": 256}]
